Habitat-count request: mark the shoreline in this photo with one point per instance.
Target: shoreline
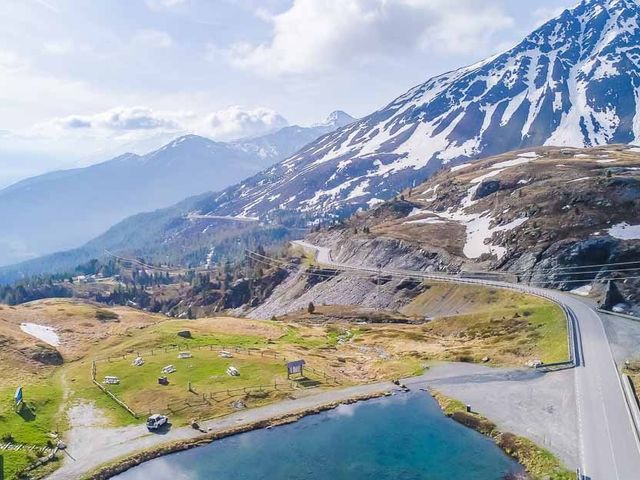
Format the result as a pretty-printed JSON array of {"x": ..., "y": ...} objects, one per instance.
[
  {"x": 537, "y": 462},
  {"x": 117, "y": 467}
]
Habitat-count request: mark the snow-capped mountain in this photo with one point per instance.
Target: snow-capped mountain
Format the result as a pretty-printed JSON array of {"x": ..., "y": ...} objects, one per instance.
[
  {"x": 64, "y": 209},
  {"x": 288, "y": 140},
  {"x": 574, "y": 82}
]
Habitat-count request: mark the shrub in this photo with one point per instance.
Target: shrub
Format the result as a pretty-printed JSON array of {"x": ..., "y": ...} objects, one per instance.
[{"x": 106, "y": 315}]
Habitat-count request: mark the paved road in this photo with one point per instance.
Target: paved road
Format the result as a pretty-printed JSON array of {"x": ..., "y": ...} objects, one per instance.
[
  {"x": 608, "y": 443},
  {"x": 195, "y": 216},
  {"x": 89, "y": 446}
]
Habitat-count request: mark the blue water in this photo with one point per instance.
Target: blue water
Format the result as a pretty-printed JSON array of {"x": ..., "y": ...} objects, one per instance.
[{"x": 404, "y": 437}]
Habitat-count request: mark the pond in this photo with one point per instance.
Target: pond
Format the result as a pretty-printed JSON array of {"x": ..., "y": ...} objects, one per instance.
[{"x": 404, "y": 437}]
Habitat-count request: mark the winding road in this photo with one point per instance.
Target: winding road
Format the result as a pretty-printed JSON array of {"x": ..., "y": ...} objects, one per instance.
[{"x": 608, "y": 440}]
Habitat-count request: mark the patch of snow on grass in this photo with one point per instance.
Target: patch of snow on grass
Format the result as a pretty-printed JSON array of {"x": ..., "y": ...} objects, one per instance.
[
  {"x": 529, "y": 155},
  {"x": 481, "y": 178},
  {"x": 624, "y": 231},
  {"x": 41, "y": 332},
  {"x": 579, "y": 179},
  {"x": 460, "y": 167},
  {"x": 608, "y": 160},
  {"x": 512, "y": 163},
  {"x": 479, "y": 231},
  {"x": 426, "y": 221}
]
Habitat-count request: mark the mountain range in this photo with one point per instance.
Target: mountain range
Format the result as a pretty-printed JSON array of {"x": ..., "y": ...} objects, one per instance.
[
  {"x": 572, "y": 82},
  {"x": 64, "y": 209}
]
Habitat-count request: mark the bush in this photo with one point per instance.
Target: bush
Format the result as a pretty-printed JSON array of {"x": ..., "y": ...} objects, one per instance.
[
  {"x": 479, "y": 424},
  {"x": 106, "y": 315}
]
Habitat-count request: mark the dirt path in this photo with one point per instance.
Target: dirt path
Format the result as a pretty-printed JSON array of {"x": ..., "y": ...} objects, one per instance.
[{"x": 90, "y": 444}]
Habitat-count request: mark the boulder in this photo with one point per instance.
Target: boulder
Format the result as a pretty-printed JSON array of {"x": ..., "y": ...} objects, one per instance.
[
  {"x": 611, "y": 297},
  {"x": 185, "y": 334},
  {"x": 44, "y": 354},
  {"x": 487, "y": 188}
]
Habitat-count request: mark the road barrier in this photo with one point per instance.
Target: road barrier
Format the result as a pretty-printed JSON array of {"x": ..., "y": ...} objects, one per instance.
[
  {"x": 572, "y": 335},
  {"x": 623, "y": 315},
  {"x": 631, "y": 397}
]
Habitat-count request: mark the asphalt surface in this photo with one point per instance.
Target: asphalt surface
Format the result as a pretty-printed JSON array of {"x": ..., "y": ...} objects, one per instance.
[
  {"x": 607, "y": 440},
  {"x": 534, "y": 404}
]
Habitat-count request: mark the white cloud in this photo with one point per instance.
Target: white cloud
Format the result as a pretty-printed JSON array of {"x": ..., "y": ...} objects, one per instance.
[
  {"x": 136, "y": 123},
  {"x": 542, "y": 15},
  {"x": 119, "y": 119},
  {"x": 236, "y": 122},
  {"x": 160, "y": 4},
  {"x": 313, "y": 36},
  {"x": 153, "y": 39},
  {"x": 11, "y": 62},
  {"x": 59, "y": 47}
]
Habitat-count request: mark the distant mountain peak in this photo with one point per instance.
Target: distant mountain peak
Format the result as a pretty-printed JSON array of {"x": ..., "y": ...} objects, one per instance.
[{"x": 337, "y": 119}]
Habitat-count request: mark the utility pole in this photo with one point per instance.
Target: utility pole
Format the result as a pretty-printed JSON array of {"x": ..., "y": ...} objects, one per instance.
[{"x": 378, "y": 282}]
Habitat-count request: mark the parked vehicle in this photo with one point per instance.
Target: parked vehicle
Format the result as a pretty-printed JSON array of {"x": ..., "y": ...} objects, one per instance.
[
  {"x": 225, "y": 354},
  {"x": 154, "y": 422},
  {"x": 111, "y": 380}
]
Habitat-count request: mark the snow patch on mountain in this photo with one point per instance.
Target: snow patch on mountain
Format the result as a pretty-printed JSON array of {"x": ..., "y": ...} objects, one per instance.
[
  {"x": 624, "y": 231},
  {"x": 574, "y": 82}
]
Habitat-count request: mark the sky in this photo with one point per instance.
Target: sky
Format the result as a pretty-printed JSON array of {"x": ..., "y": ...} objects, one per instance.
[{"x": 82, "y": 81}]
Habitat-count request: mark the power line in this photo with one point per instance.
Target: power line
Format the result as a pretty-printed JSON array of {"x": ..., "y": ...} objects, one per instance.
[{"x": 425, "y": 275}]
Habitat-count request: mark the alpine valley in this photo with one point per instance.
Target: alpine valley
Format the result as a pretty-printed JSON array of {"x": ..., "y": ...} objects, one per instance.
[
  {"x": 572, "y": 82},
  {"x": 87, "y": 201}
]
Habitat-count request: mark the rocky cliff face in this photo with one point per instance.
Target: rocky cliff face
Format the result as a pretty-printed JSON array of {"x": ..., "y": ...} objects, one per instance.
[{"x": 550, "y": 216}]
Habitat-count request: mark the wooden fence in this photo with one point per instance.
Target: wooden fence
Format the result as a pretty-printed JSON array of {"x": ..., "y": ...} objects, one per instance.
[
  {"x": 207, "y": 397},
  {"x": 109, "y": 394},
  {"x": 186, "y": 347}
]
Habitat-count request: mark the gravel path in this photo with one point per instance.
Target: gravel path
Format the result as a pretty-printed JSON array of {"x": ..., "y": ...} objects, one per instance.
[{"x": 536, "y": 405}]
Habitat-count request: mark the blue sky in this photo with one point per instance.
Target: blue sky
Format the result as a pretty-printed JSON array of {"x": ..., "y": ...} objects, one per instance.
[{"x": 84, "y": 80}]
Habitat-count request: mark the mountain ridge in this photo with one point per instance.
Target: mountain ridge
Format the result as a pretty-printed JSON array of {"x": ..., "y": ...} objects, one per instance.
[
  {"x": 105, "y": 193},
  {"x": 574, "y": 81},
  {"x": 579, "y": 72}
]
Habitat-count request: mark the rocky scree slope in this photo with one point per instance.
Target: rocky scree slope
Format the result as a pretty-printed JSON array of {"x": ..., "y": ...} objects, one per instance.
[{"x": 535, "y": 215}]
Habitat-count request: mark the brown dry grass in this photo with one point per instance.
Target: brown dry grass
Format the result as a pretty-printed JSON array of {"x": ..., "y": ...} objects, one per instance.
[{"x": 76, "y": 322}]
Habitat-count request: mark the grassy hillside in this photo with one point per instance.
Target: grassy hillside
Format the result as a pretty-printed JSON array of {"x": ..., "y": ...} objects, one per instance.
[{"x": 510, "y": 329}]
